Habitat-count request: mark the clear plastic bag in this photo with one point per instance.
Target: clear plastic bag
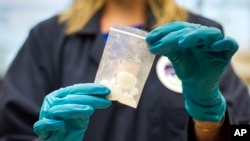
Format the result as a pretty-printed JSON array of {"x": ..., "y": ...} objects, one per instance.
[{"x": 125, "y": 64}]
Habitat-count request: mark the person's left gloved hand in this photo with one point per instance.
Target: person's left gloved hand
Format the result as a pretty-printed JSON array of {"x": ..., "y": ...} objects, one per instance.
[
  {"x": 65, "y": 113},
  {"x": 199, "y": 55}
]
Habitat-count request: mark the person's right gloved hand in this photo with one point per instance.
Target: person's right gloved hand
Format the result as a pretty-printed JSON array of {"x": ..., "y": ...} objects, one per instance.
[
  {"x": 199, "y": 55},
  {"x": 65, "y": 112}
]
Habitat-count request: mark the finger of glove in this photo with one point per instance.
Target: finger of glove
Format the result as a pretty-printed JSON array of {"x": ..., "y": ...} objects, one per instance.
[
  {"x": 169, "y": 43},
  {"x": 164, "y": 30},
  {"x": 228, "y": 46},
  {"x": 70, "y": 111},
  {"x": 96, "y": 102},
  {"x": 86, "y": 89},
  {"x": 201, "y": 38},
  {"x": 44, "y": 126}
]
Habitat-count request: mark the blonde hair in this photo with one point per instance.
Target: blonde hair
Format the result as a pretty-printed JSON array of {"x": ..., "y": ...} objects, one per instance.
[{"x": 77, "y": 16}]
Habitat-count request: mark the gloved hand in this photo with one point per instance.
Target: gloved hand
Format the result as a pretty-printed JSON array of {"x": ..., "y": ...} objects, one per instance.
[
  {"x": 199, "y": 56},
  {"x": 65, "y": 113}
]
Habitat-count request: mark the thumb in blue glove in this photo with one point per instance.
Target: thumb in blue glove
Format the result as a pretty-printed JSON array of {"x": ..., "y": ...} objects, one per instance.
[
  {"x": 65, "y": 112},
  {"x": 199, "y": 55}
]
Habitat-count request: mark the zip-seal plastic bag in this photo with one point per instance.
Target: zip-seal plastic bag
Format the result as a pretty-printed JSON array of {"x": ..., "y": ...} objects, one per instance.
[{"x": 125, "y": 64}]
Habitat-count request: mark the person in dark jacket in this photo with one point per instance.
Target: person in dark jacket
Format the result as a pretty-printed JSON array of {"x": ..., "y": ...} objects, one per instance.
[{"x": 48, "y": 92}]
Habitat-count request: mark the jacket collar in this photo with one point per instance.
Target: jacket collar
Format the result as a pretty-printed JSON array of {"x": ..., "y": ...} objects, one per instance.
[{"x": 93, "y": 28}]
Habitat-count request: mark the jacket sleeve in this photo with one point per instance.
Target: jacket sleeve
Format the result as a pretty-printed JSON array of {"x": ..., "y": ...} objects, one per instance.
[
  {"x": 26, "y": 83},
  {"x": 237, "y": 97},
  {"x": 238, "y": 103}
]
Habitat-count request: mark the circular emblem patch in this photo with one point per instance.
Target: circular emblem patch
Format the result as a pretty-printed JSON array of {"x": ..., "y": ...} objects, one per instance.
[{"x": 167, "y": 75}]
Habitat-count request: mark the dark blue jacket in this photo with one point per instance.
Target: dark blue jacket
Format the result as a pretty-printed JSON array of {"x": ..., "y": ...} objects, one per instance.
[{"x": 49, "y": 60}]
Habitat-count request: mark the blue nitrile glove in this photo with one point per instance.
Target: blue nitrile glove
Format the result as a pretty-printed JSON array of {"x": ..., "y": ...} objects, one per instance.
[
  {"x": 199, "y": 55},
  {"x": 65, "y": 113}
]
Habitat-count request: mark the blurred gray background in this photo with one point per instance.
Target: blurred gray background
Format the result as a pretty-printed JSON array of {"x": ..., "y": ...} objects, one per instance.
[{"x": 16, "y": 19}]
